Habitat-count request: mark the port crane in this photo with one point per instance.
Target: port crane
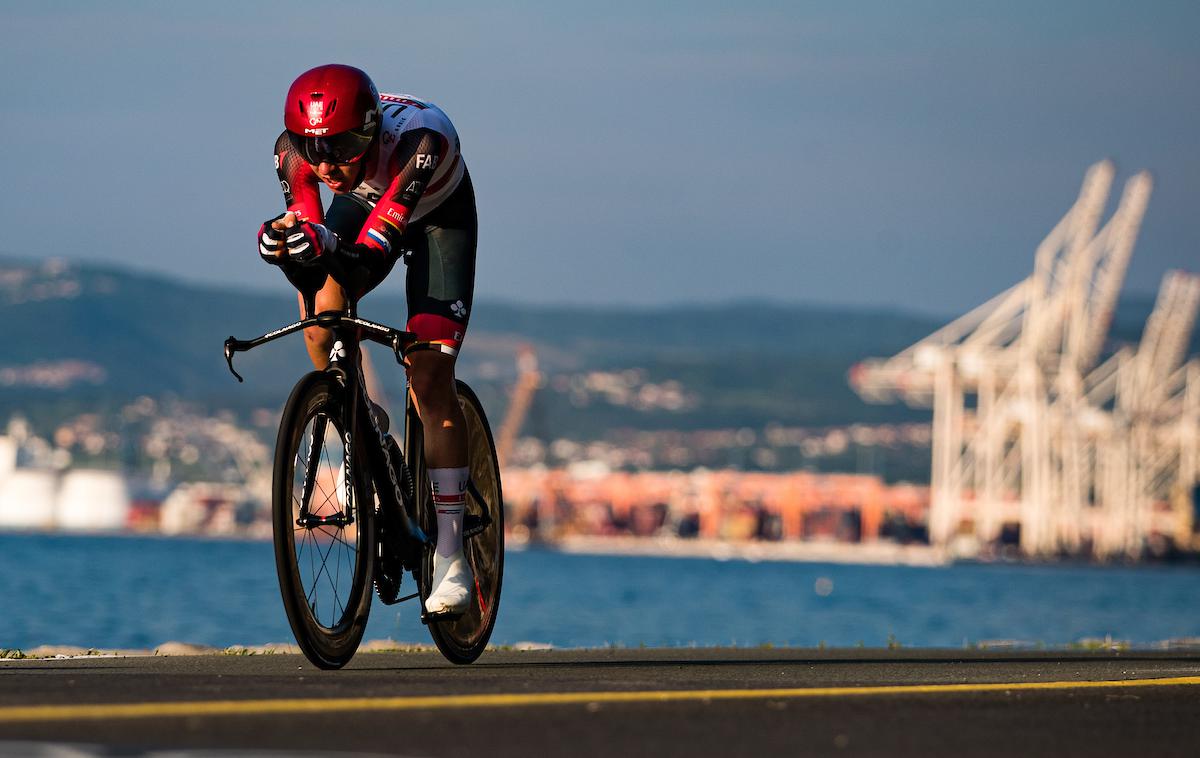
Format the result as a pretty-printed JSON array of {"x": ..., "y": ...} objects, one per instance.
[
  {"x": 528, "y": 381},
  {"x": 1028, "y": 431}
]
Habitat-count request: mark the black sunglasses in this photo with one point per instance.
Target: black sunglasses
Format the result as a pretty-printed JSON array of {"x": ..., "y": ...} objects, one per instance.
[{"x": 347, "y": 147}]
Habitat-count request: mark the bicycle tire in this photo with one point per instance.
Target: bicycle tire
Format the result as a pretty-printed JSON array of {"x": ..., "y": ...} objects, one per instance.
[
  {"x": 462, "y": 640},
  {"x": 328, "y": 640}
]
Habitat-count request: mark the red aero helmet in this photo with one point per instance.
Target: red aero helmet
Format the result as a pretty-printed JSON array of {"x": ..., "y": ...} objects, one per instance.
[{"x": 332, "y": 113}]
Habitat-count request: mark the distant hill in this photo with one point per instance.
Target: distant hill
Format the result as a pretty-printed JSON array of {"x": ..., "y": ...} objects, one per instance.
[{"x": 81, "y": 334}]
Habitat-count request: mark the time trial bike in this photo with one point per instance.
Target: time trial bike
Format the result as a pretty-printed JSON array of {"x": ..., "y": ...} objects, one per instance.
[{"x": 352, "y": 511}]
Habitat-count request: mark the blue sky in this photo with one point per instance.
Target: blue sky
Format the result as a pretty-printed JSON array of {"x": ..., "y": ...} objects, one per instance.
[{"x": 871, "y": 153}]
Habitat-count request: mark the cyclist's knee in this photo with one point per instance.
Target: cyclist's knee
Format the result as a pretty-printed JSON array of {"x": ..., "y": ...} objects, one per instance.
[
  {"x": 331, "y": 297},
  {"x": 318, "y": 336},
  {"x": 431, "y": 378},
  {"x": 319, "y": 340}
]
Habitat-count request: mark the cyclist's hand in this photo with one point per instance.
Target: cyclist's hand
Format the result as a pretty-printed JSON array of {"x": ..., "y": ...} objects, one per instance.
[
  {"x": 270, "y": 241},
  {"x": 306, "y": 241}
]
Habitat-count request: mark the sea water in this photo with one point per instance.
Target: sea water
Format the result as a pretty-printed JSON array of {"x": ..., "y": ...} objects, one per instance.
[{"x": 138, "y": 592}]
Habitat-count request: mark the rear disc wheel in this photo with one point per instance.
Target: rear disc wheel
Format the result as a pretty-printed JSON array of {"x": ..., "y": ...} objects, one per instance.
[{"x": 463, "y": 639}]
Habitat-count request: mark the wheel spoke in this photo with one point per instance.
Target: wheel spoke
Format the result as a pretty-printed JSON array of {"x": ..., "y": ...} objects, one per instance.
[
  {"x": 324, "y": 553},
  {"x": 338, "y": 568},
  {"x": 316, "y": 441},
  {"x": 324, "y": 558}
]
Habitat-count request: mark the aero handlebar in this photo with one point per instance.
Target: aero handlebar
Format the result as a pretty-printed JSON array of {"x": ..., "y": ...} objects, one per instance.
[{"x": 396, "y": 339}]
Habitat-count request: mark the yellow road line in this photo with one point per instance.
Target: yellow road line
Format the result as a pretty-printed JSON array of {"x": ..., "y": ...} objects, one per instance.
[{"x": 18, "y": 714}]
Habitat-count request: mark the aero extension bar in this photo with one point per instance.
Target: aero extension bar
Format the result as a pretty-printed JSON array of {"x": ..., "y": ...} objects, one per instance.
[{"x": 396, "y": 339}]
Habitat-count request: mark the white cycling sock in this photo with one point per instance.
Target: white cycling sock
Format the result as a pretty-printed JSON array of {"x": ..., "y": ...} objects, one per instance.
[{"x": 449, "y": 500}]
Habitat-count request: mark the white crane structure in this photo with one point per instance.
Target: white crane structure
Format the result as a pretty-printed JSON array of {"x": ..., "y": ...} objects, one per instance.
[
  {"x": 1027, "y": 429},
  {"x": 1150, "y": 461}
]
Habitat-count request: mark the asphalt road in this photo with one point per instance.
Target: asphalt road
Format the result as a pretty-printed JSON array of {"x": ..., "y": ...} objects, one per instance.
[{"x": 759, "y": 702}]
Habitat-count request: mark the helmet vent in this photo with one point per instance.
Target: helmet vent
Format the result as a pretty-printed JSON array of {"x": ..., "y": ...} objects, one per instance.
[{"x": 332, "y": 106}]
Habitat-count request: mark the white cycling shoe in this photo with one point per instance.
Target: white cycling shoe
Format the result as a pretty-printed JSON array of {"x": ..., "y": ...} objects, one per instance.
[{"x": 452, "y": 584}]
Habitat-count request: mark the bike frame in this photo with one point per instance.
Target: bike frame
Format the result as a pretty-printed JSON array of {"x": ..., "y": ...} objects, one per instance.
[{"x": 344, "y": 363}]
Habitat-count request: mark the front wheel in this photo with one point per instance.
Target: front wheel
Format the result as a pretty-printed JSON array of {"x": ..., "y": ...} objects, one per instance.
[
  {"x": 323, "y": 523},
  {"x": 463, "y": 639}
]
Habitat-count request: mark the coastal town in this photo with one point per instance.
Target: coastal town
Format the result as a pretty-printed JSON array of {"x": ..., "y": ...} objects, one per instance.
[
  {"x": 664, "y": 451},
  {"x": 163, "y": 467}
]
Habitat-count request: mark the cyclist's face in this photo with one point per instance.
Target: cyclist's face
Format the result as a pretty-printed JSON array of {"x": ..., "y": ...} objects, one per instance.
[{"x": 339, "y": 177}]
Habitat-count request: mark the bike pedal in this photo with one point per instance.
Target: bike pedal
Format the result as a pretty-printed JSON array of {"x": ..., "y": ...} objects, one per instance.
[{"x": 428, "y": 618}]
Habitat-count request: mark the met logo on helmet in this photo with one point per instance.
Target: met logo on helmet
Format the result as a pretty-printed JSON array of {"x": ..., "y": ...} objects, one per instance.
[{"x": 316, "y": 112}]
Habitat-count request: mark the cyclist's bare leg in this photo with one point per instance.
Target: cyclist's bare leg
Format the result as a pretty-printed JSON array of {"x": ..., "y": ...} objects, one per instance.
[
  {"x": 431, "y": 379},
  {"x": 319, "y": 340}
]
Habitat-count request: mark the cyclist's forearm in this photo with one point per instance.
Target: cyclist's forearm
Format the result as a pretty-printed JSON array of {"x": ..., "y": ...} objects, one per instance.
[{"x": 300, "y": 187}]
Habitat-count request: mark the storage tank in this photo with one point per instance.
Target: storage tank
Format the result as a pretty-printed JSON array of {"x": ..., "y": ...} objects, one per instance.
[
  {"x": 91, "y": 500},
  {"x": 183, "y": 512},
  {"x": 27, "y": 499}
]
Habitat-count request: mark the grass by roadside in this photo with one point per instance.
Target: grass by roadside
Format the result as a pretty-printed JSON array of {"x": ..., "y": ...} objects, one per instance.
[
  {"x": 186, "y": 648},
  {"x": 176, "y": 649}
]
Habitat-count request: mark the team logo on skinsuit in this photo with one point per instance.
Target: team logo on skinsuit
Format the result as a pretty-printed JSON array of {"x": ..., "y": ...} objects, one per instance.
[{"x": 316, "y": 112}]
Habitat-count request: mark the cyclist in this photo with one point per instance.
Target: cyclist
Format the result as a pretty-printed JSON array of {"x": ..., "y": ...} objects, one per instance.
[{"x": 400, "y": 191}]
